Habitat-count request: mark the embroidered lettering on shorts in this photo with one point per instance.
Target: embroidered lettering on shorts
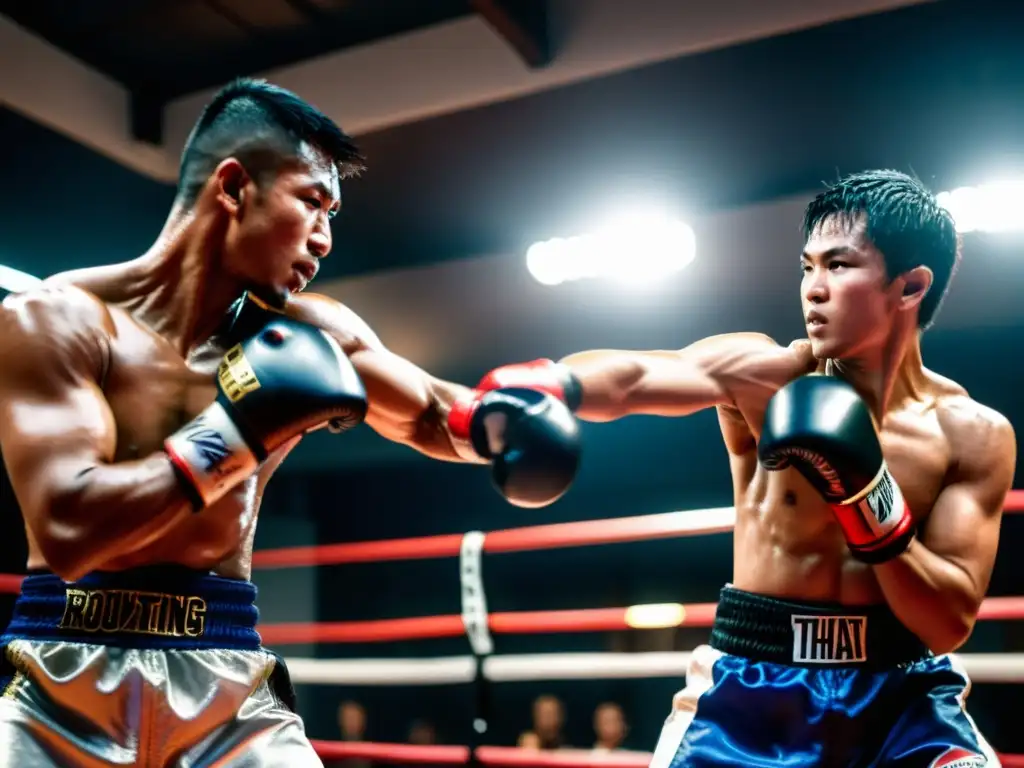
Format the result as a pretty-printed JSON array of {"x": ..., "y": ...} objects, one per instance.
[
  {"x": 829, "y": 639},
  {"x": 113, "y": 611}
]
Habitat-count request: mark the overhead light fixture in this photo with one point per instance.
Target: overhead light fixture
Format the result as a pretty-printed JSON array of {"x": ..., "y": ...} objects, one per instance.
[
  {"x": 996, "y": 207},
  {"x": 634, "y": 248}
]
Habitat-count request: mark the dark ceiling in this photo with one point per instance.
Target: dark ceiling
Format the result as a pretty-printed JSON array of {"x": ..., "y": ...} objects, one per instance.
[
  {"x": 937, "y": 89},
  {"x": 173, "y": 47}
]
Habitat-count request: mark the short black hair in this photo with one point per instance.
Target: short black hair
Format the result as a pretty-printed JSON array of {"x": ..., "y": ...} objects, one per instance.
[
  {"x": 246, "y": 119},
  {"x": 905, "y": 223}
]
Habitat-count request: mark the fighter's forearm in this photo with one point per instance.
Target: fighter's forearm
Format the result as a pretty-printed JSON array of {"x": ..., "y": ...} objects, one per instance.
[
  {"x": 619, "y": 383},
  {"x": 934, "y": 598},
  {"x": 432, "y": 436},
  {"x": 609, "y": 381},
  {"x": 109, "y": 510},
  {"x": 419, "y": 419}
]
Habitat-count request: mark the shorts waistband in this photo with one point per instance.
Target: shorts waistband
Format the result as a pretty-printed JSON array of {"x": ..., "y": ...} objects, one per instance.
[
  {"x": 812, "y": 634},
  {"x": 161, "y": 607}
]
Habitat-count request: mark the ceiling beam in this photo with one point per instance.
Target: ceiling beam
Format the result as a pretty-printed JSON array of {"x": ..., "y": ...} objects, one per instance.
[
  {"x": 146, "y": 112},
  {"x": 524, "y": 25}
]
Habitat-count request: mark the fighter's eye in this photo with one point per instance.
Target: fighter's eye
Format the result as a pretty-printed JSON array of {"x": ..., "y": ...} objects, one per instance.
[
  {"x": 834, "y": 265},
  {"x": 312, "y": 202}
]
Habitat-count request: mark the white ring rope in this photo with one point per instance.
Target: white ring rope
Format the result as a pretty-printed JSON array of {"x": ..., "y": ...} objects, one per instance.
[{"x": 982, "y": 667}]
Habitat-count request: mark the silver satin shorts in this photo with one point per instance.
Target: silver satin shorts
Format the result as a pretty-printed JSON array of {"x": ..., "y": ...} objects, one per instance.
[{"x": 91, "y": 699}]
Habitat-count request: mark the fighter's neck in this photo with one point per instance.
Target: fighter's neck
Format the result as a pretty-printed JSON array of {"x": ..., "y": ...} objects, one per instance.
[
  {"x": 182, "y": 293},
  {"x": 889, "y": 376}
]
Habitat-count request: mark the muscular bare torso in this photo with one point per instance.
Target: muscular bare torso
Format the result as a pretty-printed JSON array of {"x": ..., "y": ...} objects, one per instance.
[
  {"x": 786, "y": 541},
  {"x": 152, "y": 391}
]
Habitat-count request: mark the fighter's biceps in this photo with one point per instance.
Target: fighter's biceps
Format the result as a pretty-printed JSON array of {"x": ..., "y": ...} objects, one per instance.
[{"x": 964, "y": 525}]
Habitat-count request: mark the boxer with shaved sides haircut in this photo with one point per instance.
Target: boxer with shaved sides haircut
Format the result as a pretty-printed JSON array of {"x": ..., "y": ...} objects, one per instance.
[{"x": 144, "y": 407}]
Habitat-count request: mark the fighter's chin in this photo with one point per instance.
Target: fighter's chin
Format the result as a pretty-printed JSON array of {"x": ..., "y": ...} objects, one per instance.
[{"x": 823, "y": 349}]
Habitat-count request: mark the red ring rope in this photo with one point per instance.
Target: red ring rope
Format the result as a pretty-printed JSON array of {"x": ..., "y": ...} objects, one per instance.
[
  {"x": 637, "y": 528},
  {"x": 666, "y": 525},
  {"x": 513, "y": 757},
  {"x": 588, "y": 532}
]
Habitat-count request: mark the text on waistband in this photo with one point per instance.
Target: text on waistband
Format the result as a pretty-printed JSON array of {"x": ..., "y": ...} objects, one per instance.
[
  {"x": 142, "y": 613},
  {"x": 829, "y": 639}
]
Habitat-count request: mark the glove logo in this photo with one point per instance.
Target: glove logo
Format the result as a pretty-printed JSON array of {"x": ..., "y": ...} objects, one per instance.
[
  {"x": 882, "y": 498},
  {"x": 210, "y": 446}
]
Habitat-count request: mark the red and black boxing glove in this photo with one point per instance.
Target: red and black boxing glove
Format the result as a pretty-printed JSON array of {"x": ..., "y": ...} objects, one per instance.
[
  {"x": 541, "y": 375},
  {"x": 821, "y": 427},
  {"x": 519, "y": 419}
]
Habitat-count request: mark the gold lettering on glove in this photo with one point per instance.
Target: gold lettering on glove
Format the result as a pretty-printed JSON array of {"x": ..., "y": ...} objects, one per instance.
[{"x": 236, "y": 376}]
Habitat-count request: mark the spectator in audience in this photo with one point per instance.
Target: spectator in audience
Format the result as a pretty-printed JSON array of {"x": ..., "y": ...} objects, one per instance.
[
  {"x": 528, "y": 740},
  {"x": 609, "y": 727},
  {"x": 352, "y": 724},
  {"x": 422, "y": 732},
  {"x": 548, "y": 718}
]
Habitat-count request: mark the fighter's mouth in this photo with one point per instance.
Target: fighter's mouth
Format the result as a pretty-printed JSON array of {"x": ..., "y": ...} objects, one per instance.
[{"x": 307, "y": 268}]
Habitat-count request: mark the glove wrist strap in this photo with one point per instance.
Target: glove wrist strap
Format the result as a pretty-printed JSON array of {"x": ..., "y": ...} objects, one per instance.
[
  {"x": 460, "y": 419},
  {"x": 876, "y": 522},
  {"x": 210, "y": 454}
]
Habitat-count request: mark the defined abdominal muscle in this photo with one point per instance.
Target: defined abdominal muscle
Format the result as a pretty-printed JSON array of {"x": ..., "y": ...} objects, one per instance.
[{"x": 798, "y": 554}]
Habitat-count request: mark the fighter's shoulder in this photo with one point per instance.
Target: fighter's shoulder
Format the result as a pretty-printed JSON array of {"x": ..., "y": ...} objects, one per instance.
[
  {"x": 337, "y": 319},
  {"x": 54, "y": 308},
  {"x": 754, "y": 354},
  {"x": 975, "y": 432},
  {"x": 753, "y": 341}
]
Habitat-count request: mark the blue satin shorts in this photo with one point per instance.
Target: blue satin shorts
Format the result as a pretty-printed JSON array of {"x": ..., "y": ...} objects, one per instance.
[{"x": 786, "y": 684}]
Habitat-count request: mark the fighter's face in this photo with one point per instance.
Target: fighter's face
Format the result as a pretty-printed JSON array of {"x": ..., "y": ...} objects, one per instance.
[
  {"x": 281, "y": 228},
  {"x": 849, "y": 304}
]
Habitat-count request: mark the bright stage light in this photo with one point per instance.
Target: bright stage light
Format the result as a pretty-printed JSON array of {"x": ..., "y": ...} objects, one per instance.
[
  {"x": 996, "y": 207},
  {"x": 633, "y": 248}
]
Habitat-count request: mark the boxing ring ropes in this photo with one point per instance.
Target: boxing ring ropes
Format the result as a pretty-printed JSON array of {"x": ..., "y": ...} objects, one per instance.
[{"x": 478, "y": 626}]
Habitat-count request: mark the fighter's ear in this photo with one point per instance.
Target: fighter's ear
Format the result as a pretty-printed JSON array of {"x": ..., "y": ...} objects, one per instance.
[
  {"x": 230, "y": 180},
  {"x": 916, "y": 283}
]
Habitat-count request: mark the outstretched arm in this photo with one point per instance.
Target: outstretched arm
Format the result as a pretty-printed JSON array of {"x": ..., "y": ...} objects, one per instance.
[
  {"x": 529, "y": 438},
  {"x": 610, "y": 384},
  {"x": 407, "y": 405}
]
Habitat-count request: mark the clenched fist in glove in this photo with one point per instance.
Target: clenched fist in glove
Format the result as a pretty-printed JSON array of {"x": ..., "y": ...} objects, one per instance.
[
  {"x": 821, "y": 427},
  {"x": 517, "y": 419}
]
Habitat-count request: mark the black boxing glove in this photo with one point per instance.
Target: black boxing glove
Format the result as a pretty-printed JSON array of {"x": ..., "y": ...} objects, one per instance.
[
  {"x": 531, "y": 439},
  {"x": 821, "y": 427},
  {"x": 288, "y": 379}
]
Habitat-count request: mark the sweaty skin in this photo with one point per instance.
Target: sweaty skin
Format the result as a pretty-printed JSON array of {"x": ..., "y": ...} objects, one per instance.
[
  {"x": 101, "y": 365},
  {"x": 952, "y": 457},
  {"x": 89, "y": 389}
]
